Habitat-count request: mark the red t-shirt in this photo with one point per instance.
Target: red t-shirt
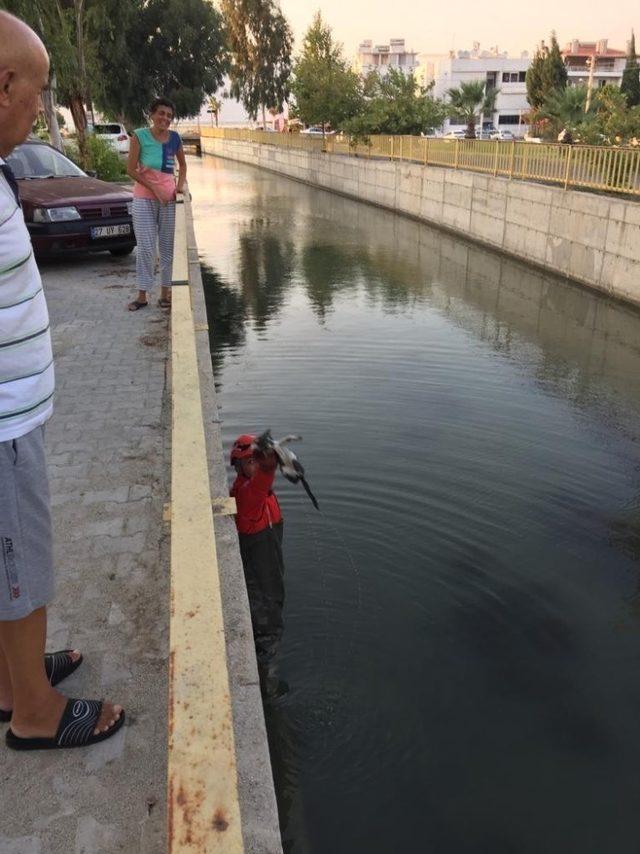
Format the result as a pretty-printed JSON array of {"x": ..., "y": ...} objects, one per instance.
[{"x": 257, "y": 506}]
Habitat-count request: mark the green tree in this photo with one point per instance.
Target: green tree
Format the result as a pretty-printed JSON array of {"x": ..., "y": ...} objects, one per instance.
[
  {"x": 326, "y": 90},
  {"x": 61, "y": 25},
  {"x": 394, "y": 104},
  {"x": 565, "y": 109},
  {"x": 260, "y": 43},
  {"x": 612, "y": 121},
  {"x": 151, "y": 48},
  {"x": 535, "y": 93},
  {"x": 468, "y": 100},
  {"x": 554, "y": 71},
  {"x": 630, "y": 86}
]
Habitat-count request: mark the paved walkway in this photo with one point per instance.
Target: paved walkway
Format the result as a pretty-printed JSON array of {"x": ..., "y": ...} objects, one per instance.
[{"x": 108, "y": 463}]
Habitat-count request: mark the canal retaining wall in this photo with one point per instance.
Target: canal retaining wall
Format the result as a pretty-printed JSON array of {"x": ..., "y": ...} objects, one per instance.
[
  {"x": 220, "y": 795},
  {"x": 592, "y": 239}
]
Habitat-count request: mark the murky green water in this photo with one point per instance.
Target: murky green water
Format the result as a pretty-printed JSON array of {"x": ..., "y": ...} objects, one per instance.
[{"x": 462, "y": 636}]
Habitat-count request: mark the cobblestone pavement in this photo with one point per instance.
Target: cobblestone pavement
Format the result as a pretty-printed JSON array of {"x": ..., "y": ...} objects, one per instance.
[{"x": 108, "y": 463}]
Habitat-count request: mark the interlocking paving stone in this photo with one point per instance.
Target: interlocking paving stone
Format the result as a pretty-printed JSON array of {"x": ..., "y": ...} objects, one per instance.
[{"x": 108, "y": 456}]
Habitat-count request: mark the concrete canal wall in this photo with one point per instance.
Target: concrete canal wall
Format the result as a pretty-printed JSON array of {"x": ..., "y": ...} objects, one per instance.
[
  {"x": 220, "y": 796},
  {"x": 589, "y": 238}
]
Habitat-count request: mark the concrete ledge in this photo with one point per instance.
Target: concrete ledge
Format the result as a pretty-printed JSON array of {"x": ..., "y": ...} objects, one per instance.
[{"x": 591, "y": 239}]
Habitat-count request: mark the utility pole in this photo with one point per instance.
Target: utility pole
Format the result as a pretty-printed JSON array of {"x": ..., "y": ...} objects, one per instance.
[{"x": 591, "y": 62}]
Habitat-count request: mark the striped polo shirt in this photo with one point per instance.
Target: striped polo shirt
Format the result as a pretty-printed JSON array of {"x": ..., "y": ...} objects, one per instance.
[{"x": 26, "y": 359}]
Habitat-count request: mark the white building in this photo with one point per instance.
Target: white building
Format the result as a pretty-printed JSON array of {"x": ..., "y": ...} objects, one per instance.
[
  {"x": 382, "y": 57},
  {"x": 495, "y": 69},
  {"x": 608, "y": 63}
]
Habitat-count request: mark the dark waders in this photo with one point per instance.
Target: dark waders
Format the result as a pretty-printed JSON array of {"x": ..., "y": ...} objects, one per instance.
[{"x": 264, "y": 575}]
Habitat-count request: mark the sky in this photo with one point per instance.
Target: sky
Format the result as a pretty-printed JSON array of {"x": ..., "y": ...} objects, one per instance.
[{"x": 437, "y": 28}]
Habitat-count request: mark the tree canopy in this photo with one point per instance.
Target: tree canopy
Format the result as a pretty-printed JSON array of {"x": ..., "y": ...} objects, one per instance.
[
  {"x": 546, "y": 73},
  {"x": 132, "y": 51},
  {"x": 260, "y": 43},
  {"x": 326, "y": 90},
  {"x": 535, "y": 91},
  {"x": 630, "y": 85},
  {"x": 468, "y": 100},
  {"x": 395, "y": 104},
  {"x": 554, "y": 71}
]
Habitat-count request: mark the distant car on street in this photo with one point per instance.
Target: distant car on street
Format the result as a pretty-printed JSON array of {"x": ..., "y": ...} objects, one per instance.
[
  {"x": 316, "y": 131},
  {"x": 65, "y": 210},
  {"x": 454, "y": 134},
  {"x": 503, "y": 136},
  {"x": 115, "y": 134}
]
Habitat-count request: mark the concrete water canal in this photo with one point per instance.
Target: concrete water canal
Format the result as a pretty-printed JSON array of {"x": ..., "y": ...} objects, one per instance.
[{"x": 462, "y": 626}]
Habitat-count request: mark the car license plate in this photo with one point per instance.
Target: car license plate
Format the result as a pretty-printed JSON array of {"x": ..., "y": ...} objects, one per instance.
[{"x": 109, "y": 231}]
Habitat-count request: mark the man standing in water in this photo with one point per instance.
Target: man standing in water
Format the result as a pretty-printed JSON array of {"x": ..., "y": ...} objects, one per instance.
[
  {"x": 260, "y": 529},
  {"x": 41, "y": 717}
]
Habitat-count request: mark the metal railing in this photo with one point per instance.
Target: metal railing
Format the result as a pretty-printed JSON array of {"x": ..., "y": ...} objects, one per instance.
[{"x": 613, "y": 170}]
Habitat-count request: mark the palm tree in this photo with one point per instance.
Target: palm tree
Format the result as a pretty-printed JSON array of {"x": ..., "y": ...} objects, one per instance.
[
  {"x": 566, "y": 109},
  {"x": 469, "y": 100}
]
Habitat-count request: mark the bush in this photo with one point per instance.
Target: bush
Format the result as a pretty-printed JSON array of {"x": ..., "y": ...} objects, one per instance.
[{"x": 103, "y": 159}]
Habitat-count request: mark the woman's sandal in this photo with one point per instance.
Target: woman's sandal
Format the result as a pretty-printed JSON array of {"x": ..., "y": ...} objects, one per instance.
[
  {"x": 57, "y": 666},
  {"x": 76, "y": 728},
  {"x": 164, "y": 303},
  {"x": 136, "y": 304}
]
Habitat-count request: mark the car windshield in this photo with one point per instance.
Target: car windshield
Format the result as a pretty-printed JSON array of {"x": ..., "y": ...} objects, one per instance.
[
  {"x": 107, "y": 129},
  {"x": 41, "y": 161}
]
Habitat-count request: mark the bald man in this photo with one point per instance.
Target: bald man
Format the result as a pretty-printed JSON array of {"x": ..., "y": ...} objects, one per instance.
[{"x": 41, "y": 717}]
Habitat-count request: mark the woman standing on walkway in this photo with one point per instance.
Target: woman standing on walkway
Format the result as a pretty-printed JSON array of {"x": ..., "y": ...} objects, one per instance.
[{"x": 151, "y": 164}]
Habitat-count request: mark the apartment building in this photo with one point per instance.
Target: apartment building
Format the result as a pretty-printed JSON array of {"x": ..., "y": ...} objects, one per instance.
[
  {"x": 382, "y": 57},
  {"x": 608, "y": 63},
  {"x": 496, "y": 69}
]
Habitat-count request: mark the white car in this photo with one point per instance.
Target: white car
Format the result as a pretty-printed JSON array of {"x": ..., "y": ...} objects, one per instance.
[
  {"x": 316, "y": 131},
  {"x": 454, "y": 134},
  {"x": 503, "y": 135},
  {"x": 115, "y": 134}
]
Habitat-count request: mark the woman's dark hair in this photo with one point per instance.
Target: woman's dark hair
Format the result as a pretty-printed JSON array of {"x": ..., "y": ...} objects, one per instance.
[{"x": 162, "y": 102}]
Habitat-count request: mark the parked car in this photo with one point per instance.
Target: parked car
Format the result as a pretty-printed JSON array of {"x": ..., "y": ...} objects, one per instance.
[
  {"x": 503, "y": 136},
  {"x": 115, "y": 134},
  {"x": 65, "y": 210},
  {"x": 316, "y": 131},
  {"x": 534, "y": 139},
  {"x": 454, "y": 134}
]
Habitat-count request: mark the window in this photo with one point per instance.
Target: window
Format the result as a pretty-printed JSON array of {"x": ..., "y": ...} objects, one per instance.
[
  {"x": 108, "y": 129},
  {"x": 508, "y": 120},
  {"x": 514, "y": 76}
]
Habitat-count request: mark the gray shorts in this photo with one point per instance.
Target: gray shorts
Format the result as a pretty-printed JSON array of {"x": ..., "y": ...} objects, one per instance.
[{"x": 26, "y": 549}]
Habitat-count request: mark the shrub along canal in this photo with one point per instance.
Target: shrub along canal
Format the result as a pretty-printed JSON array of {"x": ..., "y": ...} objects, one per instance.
[{"x": 462, "y": 624}]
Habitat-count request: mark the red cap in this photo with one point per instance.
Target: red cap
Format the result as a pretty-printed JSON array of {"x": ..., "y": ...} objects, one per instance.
[{"x": 243, "y": 447}]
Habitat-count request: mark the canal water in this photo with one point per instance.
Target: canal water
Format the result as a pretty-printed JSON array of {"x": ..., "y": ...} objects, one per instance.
[{"x": 462, "y": 638}]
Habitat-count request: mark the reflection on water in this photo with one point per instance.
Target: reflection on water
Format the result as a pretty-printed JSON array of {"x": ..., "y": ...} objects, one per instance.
[{"x": 462, "y": 630}]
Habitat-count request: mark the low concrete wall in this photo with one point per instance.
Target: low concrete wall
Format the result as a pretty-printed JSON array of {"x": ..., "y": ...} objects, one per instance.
[{"x": 592, "y": 239}]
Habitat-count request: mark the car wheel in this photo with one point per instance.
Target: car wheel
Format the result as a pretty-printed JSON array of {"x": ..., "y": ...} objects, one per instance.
[{"x": 125, "y": 250}]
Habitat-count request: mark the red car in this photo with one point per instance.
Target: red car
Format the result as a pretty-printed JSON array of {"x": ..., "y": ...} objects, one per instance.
[{"x": 67, "y": 211}]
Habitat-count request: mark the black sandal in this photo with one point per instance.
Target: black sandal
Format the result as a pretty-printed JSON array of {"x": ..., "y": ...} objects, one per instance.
[
  {"x": 76, "y": 728},
  {"x": 57, "y": 666},
  {"x": 136, "y": 304},
  {"x": 164, "y": 303}
]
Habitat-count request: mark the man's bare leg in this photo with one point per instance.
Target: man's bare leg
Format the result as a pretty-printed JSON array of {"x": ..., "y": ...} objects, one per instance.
[
  {"x": 6, "y": 694},
  {"x": 6, "y": 691},
  {"x": 37, "y": 707}
]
